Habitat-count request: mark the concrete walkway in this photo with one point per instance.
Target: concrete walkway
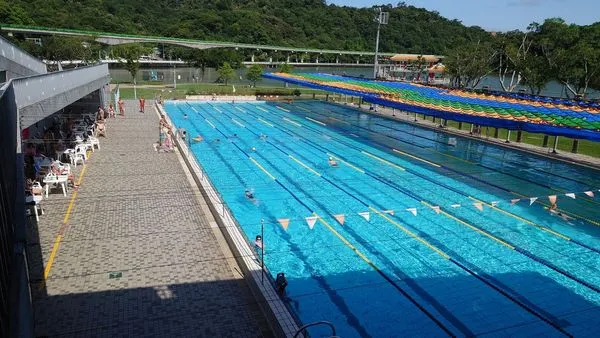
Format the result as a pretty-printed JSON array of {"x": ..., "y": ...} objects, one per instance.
[{"x": 133, "y": 253}]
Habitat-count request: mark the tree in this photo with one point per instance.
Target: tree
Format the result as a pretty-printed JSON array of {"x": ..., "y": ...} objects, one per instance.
[
  {"x": 129, "y": 56},
  {"x": 254, "y": 74},
  {"x": 285, "y": 68},
  {"x": 225, "y": 72},
  {"x": 468, "y": 64}
]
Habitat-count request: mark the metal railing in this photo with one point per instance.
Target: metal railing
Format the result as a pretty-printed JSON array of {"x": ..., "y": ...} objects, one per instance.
[{"x": 322, "y": 322}]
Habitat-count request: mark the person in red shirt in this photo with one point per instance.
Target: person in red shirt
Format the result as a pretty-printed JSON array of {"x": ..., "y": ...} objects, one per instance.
[{"x": 142, "y": 104}]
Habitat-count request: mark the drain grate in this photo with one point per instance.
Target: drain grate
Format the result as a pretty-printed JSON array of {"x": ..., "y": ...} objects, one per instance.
[{"x": 115, "y": 274}]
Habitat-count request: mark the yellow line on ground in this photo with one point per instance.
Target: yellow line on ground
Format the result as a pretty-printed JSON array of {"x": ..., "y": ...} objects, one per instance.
[
  {"x": 315, "y": 121},
  {"x": 485, "y": 233},
  {"x": 282, "y": 109},
  {"x": 304, "y": 165},
  {"x": 68, "y": 212},
  {"x": 523, "y": 219},
  {"x": 52, "y": 255},
  {"x": 561, "y": 210},
  {"x": 265, "y": 122},
  {"x": 410, "y": 233},
  {"x": 292, "y": 122},
  {"x": 345, "y": 241},
  {"x": 261, "y": 168},
  {"x": 416, "y": 158},
  {"x": 346, "y": 163},
  {"x": 382, "y": 160},
  {"x": 238, "y": 123}
]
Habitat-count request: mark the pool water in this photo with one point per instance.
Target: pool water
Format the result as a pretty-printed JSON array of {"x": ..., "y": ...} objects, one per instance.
[{"x": 478, "y": 265}]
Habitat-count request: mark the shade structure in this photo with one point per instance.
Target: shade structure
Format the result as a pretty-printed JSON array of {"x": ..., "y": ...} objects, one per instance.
[{"x": 541, "y": 115}]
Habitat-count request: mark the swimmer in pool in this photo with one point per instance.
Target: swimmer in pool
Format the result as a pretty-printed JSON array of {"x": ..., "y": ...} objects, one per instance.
[
  {"x": 332, "y": 162},
  {"x": 185, "y": 116},
  {"x": 249, "y": 195},
  {"x": 197, "y": 139}
]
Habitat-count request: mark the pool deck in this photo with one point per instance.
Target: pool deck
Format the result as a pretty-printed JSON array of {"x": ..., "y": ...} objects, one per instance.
[
  {"x": 578, "y": 159},
  {"x": 134, "y": 252}
]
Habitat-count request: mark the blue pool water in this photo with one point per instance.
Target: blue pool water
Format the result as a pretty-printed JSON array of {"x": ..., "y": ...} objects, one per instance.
[{"x": 504, "y": 270}]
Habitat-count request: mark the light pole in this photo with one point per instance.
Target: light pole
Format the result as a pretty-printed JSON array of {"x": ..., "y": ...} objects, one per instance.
[{"x": 381, "y": 19}]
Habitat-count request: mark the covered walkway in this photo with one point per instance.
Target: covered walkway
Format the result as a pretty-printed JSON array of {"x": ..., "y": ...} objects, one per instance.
[{"x": 132, "y": 253}]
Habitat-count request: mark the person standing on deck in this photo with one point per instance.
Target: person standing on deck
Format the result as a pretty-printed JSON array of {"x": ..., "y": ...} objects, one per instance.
[
  {"x": 121, "y": 104},
  {"x": 142, "y": 104}
]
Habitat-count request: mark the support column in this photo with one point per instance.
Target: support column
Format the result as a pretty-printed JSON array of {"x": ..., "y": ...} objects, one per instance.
[
  {"x": 545, "y": 142},
  {"x": 507, "y": 137},
  {"x": 288, "y": 59},
  {"x": 519, "y": 136},
  {"x": 575, "y": 146},
  {"x": 252, "y": 58},
  {"x": 459, "y": 125},
  {"x": 471, "y": 130},
  {"x": 327, "y": 97},
  {"x": 555, "y": 144},
  {"x": 317, "y": 61},
  {"x": 433, "y": 120},
  {"x": 496, "y": 132}
]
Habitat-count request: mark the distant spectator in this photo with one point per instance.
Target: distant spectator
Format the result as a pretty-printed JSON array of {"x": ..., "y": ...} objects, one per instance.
[
  {"x": 142, "y": 104},
  {"x": 121, "y": 104}
]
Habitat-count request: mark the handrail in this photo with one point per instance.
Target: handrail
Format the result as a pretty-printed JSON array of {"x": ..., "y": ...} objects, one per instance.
[{"x": 321, "y": 322}]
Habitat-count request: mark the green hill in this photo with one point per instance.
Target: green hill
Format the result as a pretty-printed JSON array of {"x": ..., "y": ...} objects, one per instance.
[{"x": 303, "y": 23}]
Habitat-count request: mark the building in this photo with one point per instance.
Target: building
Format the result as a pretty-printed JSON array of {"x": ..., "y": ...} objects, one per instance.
[{"x": 426, "y": 69}]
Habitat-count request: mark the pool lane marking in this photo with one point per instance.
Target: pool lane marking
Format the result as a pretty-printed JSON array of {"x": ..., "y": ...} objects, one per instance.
[
  {"x": 381, "y": 273},
  {"x": 258, "y": 107},
  {"x": 61, "y": 231},
  {"x": 240, "y": 109},
  {"x": 346, "y": 163},
  {"x": 283, "y": 109},
  {"x": 261, "y": 168},
  {"x": 292, "y": 122},
  {"x": 315, "y": 121},
  {"x": 522, "y": 219},
  {"x": 416, "y": 158},
  {"x": 383, "y": 160},
  {"x": 483, "y": 232},
  {"x": 238, "y": 123},
  {"x": 212, "y": 125},
  {"x": 265, "y": 122},
  {"x": 304, "y": 165}
]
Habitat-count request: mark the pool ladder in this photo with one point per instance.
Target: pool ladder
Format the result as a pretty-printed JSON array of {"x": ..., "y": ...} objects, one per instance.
[{"x": 322, "y": 322}]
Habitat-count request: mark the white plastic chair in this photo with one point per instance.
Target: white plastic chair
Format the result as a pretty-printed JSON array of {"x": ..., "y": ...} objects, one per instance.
[
  {"x": 94, "y": 141},
  {"x": 54, "y": 179}
]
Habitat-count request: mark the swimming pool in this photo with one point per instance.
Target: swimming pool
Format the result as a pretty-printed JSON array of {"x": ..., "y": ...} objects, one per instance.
[{"x": 406, "y": 268}]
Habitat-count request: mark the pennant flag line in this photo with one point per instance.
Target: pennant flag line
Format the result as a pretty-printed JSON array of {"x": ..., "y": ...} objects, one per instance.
[
  {"x": 366, "y": 215},
  {"x": 340, "y": 218},
  {"x": 412, "y": 211},
  {"x": 478, "y": 205},
  {"x": 572, "y": 195},
  {"x": 391, "y": 212},
  {"x": 436, "y": 208},
  {"x": 311, "y": 221},
  {"x": 284, "y": 222},
  {"x": 532, "y": 200},
  {"x": 513, "y": 201},
  {"x": 589, "y": 193},
  {"x": 495, "y": 203},
  {"x": 552, "y": 199}
]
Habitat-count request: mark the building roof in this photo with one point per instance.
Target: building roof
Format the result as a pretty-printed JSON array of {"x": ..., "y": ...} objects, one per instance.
[{"x": 414, "y": 57}]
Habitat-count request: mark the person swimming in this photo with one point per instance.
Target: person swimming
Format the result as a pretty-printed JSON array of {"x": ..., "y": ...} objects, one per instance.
[
  {"x": 253, "y": 148},
  {"x": 185, "y": 116},
  {"x": 198, "y": 139},
  {"x": 332, "y": 162},
  {"x": 249, "y": 195},
  {"x": 263, "y": 136}
]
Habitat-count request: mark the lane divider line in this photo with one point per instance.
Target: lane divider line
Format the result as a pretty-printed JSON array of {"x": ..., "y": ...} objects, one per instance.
[
  {"x": 383, "y": 160},
  {"x": 304, "y": 165},
  {"x": 210, "y": 123},
  {"x": 238, "y": 123},
  {"x": 292, "y": 122},
  {"x": 346, "y": 163},
  {"x": 416, "y": 158},
  {"x": 261, "y": 168},
  {"x": 285, "y": 110},
  {"x": 315, "y": 121},
  {"x": 265, "y": 122}
]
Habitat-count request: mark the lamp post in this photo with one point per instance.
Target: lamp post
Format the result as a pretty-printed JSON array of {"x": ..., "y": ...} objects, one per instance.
[{"x": 381, "y": 19}]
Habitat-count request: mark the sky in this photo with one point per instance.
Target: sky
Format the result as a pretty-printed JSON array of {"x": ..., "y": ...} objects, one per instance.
[{"x": 500, "y": 15}]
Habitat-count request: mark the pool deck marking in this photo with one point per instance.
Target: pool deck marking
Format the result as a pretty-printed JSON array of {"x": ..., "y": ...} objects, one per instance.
[
  {"x": 383, "y": 160},
  {"x": 416, "y": 158},
  {"x": 261, "y": 168},
  {"x": 315, "y": 121},
  {"x": 483, "y": 232},
  {"x": 387, "y": 278},
  {"x": 346, "y": 163},
  {"x": 292, "y": 122},
  {"x": 283, "y": 109},
  {"x": 304, "y": 165},
  {"x": 238, "y": 123},
  {"x": 523, "y": 219},
  {"x": 410, "y": 233},
  {"x": 265, "y": 122},
  {"x": 62, "y": 229}
]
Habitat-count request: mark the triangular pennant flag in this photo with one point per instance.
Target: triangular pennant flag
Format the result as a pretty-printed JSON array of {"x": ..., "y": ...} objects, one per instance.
[
  {"x": 391, "y": 212},
  {"x": 412, "y": 211},
  {"x": 589, "y": 193},
  {"x": 478, "y": 205},
  {"x": 311, "y": 221},
  {"x": 455, "y": 205},
  {"x": 366, "y": 215},
  {"x": 340, "y": 218},
  {"x": 284, "y": 222},
  {"x": 513, "y": 201},
  {"x": 532, "y": 200},
  {"x": 552, "y": 199},
  {"x": 436, "y": 208},
  {"x": 495, "y": 203},
  {"x": 572, "y": 195}
]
